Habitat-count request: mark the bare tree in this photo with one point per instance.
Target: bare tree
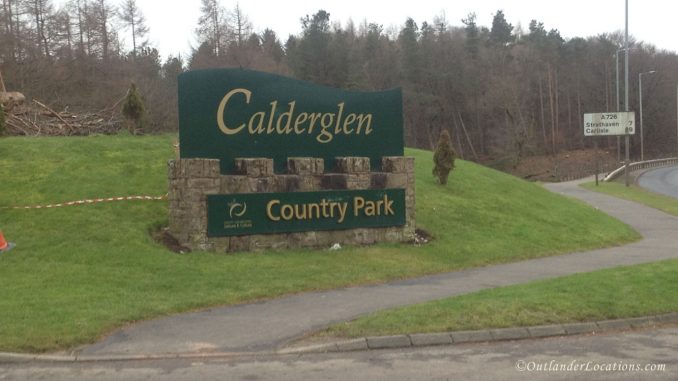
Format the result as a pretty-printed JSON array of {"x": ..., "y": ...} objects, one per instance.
[
  {"x": 131, "y": 16},
  {"x": 212, "y": 26}
]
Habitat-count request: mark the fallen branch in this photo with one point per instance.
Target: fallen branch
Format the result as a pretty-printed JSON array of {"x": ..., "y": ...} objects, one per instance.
[{"x": 53, "y": 113}]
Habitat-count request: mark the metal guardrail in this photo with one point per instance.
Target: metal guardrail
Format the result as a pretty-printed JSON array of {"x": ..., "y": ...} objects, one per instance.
[{"x": 641, "y": 165}]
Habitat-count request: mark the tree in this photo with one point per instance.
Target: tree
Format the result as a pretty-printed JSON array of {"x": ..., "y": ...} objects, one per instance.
[
  {"x": 443, "y": 158},
  {"x": 134, "y": 20},
  {"x": 242, "y": 27},
  {"x": 501, "y": 32},
  {"x": 213, "y": 28},
  {"x": 133, "y": 110}
]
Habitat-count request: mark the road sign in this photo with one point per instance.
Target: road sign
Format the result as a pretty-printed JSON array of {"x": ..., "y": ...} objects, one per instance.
[{"x": 610, "y": 124}]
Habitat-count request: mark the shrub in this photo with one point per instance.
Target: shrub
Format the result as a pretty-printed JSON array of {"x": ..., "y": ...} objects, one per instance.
[
  {"x": 443, "y": 158},
  {"x": 133, "y": 110}
]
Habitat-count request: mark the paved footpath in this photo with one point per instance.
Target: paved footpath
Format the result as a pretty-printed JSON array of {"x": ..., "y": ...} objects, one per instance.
[{"x": 270, "y": 325}]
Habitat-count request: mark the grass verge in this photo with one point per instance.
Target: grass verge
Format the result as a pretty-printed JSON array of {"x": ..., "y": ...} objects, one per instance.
[
  {"x": 80, "y": 272},
  {"x": 624, "y": 292},
  {"x": 637, "y": 194}
]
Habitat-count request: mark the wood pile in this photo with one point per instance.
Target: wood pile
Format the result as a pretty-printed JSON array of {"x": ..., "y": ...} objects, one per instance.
[{"x": 37, "y": 119}]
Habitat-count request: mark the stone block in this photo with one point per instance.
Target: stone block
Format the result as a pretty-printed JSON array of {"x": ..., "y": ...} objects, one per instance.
[
  {"x": 193, "y": 167},
  {"x": 509, "y": 333},
  {"x": 234, "y": 184},
  {"x": 334, "y": 181},
  {"x": 352, "y": 164},
  {"x": 254, "y": 167},
  {"x": 546, "y": 330},
  {"x": 220, "y": 244},
  {"x": 269, "y": 241},
  {"x": 239, "y": 243},
  {"x": 378, "y": 180},
  {"x": 263, "y": 184},
  {"x": 290, "y": 183},
  {"x": 396, "y": 180},
  {"x": 613, "y": 324},
  {"x": 393, "y": 164},
  {"x": 471, "y": 336},
  {"x": 427, "y": 339},
  {"x": 305, "y": 239},
  {"x": 305, "y": 165},
  {"x": 381, "y": 342},
  {"x": 580, "y": 328},
  {"x": 640, "y": 322},
  {"x": 352, "y": 345},
  {"x": 205, "y": 185},
  {"x": 211, "y": 168}
]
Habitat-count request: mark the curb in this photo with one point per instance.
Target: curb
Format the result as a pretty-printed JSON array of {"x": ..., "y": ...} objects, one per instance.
[
  {"x": 378, "y": 342},
  {"x": 484, "y": 335}
]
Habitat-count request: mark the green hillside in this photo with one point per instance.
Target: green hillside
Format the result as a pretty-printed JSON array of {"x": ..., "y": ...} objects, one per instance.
[{"x": 81, "y": 271}]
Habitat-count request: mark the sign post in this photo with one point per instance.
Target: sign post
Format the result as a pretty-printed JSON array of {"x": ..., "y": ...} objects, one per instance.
[{"x": 609, "y": 124}]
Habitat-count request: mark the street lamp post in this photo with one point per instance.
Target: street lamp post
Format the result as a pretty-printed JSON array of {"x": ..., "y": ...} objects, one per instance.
[
  {"x": 616, "y": 55},
  {"x": 627, "y": 181},
  {"x": 640, "y": 90}
]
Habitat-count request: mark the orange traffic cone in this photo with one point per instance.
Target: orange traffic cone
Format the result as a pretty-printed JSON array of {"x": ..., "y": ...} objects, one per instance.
[{"x": 4, "y": 245}]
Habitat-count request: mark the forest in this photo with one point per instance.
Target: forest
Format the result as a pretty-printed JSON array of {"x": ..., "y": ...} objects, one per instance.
[{"x": 503, "y": 91}]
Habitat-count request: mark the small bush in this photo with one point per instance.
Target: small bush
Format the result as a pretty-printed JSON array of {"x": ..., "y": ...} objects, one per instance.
[
  {"x": 443, "y": 158},
  {"x": 134, "y": 111}
]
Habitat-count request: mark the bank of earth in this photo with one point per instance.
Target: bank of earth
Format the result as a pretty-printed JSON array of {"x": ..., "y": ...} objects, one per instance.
[{"x": 80, "y": 272}]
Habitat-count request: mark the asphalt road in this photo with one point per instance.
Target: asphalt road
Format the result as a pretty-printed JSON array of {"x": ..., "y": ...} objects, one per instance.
[
  {"x": 662, "y": 180},
  {"x": 635, "y": 355}
]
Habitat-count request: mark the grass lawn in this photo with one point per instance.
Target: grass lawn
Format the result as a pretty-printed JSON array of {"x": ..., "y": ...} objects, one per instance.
[
  {"x": 79, "y": 272},
  {"x": 606, "y": 294},
  {"x": 637, "y": 194}
]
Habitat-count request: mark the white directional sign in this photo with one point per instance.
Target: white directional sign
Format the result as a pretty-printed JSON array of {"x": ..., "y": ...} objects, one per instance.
[{"x": 610, "y": 124}]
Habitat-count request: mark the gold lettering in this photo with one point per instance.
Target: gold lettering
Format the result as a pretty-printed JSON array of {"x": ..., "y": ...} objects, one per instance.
[
  {"x": 347, "y": 122},
  {"x": 288, "y": 126},
  {"x": 222, "y": 106},
  {"x": 325, "y": 136},
  {"x": 269, "y": 211},
  {"x": 314, "y": 119},
  {"x": 358, "y": 203},
  {"x": 337, "y": 129},
  {"x": 287, "y": 212},
  {"x": 362, "y": 118},
  {"x": 270, "y": 130},
  {"x": 301, "y": 118},
  {"x": 388, "y": 206},
  {"x": 342, "y": 211},
  {"x": 260, "y": 127},
  {"x": 317, "y": 211}
]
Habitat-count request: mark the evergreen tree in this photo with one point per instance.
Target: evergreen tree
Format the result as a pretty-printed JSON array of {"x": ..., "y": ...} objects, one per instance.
[
  {"x": 443, "y": 158},
  {"x": 133, "y": 110}
]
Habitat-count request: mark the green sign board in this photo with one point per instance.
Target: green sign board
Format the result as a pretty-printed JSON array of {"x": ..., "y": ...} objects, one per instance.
[
  {"x": 231, "y": 113},
  {"x": 263, "y": 213}
]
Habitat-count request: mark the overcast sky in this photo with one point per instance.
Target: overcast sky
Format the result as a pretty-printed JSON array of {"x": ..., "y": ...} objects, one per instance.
[{"x": 172, "y": 22}]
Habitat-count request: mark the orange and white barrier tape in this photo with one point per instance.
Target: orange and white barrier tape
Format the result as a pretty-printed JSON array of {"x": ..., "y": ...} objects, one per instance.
[{"x": 90, "y": 201}]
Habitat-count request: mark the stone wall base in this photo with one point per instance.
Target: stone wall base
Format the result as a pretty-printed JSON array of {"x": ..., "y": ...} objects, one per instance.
[{"x": 191, "y": 180}]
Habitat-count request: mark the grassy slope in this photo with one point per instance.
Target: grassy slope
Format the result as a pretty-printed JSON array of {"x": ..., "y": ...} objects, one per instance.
[
  {"x": 81, "y": 271},
  {"x": 637, "y": 194},
  {"x": 607, "y": 294}
]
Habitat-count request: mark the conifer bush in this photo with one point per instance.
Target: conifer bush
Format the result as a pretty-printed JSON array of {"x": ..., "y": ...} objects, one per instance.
[
  {"x": 443, "y": 157},
  {"x": 134, "y": 111}
]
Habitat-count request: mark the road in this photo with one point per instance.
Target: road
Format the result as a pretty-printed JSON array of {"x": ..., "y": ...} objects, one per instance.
[
  {"x": 596, "y": 357},
  {"x": 662, "y": 180}
]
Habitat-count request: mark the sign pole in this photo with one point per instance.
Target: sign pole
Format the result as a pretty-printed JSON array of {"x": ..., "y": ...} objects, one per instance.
[
  {"x": 626, "y": 90},
  {"x": 595, "y": 149}
]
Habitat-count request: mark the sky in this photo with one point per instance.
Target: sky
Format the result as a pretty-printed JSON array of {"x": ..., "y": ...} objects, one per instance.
[{"x": 172, "y": 23}]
